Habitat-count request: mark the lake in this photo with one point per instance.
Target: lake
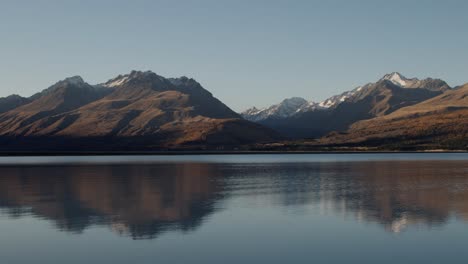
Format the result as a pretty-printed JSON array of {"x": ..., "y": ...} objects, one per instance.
[{"x": 291, "y": 208}]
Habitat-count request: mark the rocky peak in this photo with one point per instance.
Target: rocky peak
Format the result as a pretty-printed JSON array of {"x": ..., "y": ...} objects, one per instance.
[
  {"x": 398, "y": 79},
  {"x": 75, "y": 80},
  {"x": 183, "y": 81},
  {"x": 133, "y": 76},
  {"x": 293, "y": 101},
  {"x": 428, "y": 83},
  {"x": 286, "y": 108}
]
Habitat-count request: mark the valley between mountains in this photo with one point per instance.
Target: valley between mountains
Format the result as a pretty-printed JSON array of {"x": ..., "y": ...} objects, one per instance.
[{"x": 143, "y": 111}]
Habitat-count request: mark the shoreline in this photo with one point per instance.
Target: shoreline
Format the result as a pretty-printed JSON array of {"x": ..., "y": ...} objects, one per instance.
[{"x": 196, "y": 153}]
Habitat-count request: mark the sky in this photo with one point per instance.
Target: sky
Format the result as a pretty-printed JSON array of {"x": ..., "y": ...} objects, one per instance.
[{"x": 246, "y": 52}]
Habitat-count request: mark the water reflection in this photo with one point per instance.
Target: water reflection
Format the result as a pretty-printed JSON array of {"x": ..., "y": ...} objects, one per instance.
[
  {"x": 142, "y": 201},
  {"x": 395, "y": 194}
]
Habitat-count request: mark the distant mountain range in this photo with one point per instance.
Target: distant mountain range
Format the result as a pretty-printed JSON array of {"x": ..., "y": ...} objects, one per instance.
[
  {"x": 390, "y": 93},
  {"x": 296, "y": 106},
  {"x": 145, "y": 111}
]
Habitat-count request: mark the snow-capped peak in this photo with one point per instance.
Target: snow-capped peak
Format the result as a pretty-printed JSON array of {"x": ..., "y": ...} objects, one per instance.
[
  {"x": 123, "y": 79},
  {"x": 286, "y": 108},
  {"x": 252, "y": 111},
  {"x": 119, "y": 80},
  {"x": 338, "y": 99},
  {"x": 397, "y": 79}
]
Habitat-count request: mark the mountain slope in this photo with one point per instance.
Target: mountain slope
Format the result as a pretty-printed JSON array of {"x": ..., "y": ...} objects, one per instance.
[
  {"x": 61, "y": 97},
  {"x": 337, "y": 113},
  {"x": 140, "y": 108},
  {"x": 441, "y": 121},
  {"x": 288, "y": 107},
  {"x": 12, "y": 102},
  {"x": 428, "y": 83}
]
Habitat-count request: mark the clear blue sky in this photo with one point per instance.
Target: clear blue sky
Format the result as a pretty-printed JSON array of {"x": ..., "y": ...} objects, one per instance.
[{"x": 245, "y": 52}]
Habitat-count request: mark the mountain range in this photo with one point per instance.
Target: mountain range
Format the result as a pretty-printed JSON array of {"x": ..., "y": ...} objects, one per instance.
[
  {"x": 337, "y": 113},
  {"x": 139, "y": 110},
  {"x": 441, "y": 121},
  {"x": 145, "y": 111}
]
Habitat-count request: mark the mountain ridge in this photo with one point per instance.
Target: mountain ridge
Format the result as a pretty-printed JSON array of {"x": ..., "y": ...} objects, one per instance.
[
  {"x": 166, "y": 112},
  {"x": 338, "y": 112},
  {"x": 439, "y": 121},
  {"x": 333, "y": 101},
  {"x": 142, "y": 110}
]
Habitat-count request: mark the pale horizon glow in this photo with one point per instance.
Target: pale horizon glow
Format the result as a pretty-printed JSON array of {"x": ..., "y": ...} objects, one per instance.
[{"x": 247, "y": 53}]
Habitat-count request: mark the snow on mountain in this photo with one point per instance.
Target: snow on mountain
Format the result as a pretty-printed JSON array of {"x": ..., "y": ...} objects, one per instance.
[
  {"x": 398, "y": 79},
  {"x": 286, "y": 108},
  {"x": 394, "y": 77},
  {"x": 308, "y": 107},
  {"x": 75, "y": 82},
  {"x": 119, "y": 80},
  {"x": 428, "y": 83},
  {"x": 134, "y": 75},
  {"x": 338, "y": 99},
  {"x": 296, "y": 105}
]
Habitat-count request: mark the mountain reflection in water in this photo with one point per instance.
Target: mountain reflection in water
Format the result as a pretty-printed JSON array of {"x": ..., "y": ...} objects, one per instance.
[{"x": 142, "y": 201}]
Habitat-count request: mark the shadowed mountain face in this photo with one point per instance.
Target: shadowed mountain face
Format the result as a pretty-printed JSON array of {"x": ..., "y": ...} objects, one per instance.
[
  {"x": 159, "y": 112},
  {"x": 146, "y": 200},
  {"x": 337, "y": 113},
  {"x": 12, "y": 102},
  {"x": 441, "y": 121}
]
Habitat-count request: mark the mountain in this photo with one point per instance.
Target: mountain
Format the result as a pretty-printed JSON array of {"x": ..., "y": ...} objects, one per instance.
[
  {"x": 390, "y": 93},
  {"x": 441, "y": 121},
  {"x": 288, "y": 107},
  {"x": 12, "y": 102},
  {"x": 338, "y": 99},
  {"x": 139, "y": 110},
  {"x": 62, "y": 97},
  {"x": 146, "y": 111},
  {"x": 428, "y": 83}
]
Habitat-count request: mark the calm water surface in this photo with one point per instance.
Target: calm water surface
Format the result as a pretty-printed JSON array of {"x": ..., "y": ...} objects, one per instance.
[{"x": 357, "y": 208}]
